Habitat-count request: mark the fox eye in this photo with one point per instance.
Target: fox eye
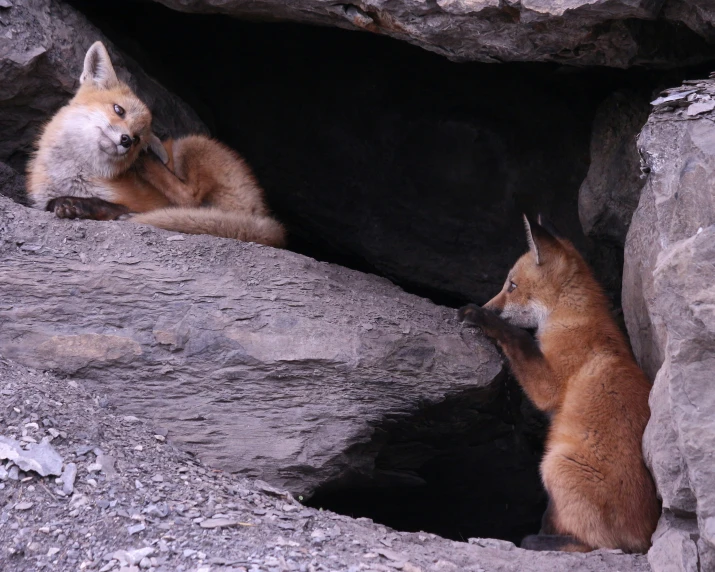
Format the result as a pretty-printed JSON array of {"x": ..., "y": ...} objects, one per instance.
[
  {"x": 119, "y": 110},
  {"x": 511, "y": 287},
  {"x": 136, "y": 140}
]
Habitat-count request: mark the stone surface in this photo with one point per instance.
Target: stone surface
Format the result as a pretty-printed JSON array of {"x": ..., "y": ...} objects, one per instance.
[
  {"x": 668, "y": 302},
  {"x": 12, "y": 184},
  {"x": 609, "y": 194},
  {"x": 40, "y": 458},
  {"x": 265, "y": 362},
  {"x": 88, "y": 531},
  {"x": 579, "y": 32},
  {"x": 42, "y": 48}
]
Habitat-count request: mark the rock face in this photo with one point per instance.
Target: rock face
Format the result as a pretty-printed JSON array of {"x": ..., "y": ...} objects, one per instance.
[
  {"x": 609, "y": 194},
  {"x": 668, "y": 302},
  {"x": 579, "y": 32},
  {"x": 263, "y": 361},
  {"x": 42, "y": 47}
]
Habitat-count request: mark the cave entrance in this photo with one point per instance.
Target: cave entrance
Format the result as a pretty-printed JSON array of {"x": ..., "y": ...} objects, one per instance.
[
  {"x": 466, "y": 467},
  {"x": 379, "y": 155}
]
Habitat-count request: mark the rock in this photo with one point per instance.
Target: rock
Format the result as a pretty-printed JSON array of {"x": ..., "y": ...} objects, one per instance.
[
  {"x": 24, "y": 505},
  {"x": 68, "y": 477},
  {"x": 579, "y": 32},
  {"x": 41, "y": 56},
  {"x": 305, "y": 356},
  {"x": 609, "y": 194},
  {"x": 668, "y": 303},
  {"x": 41, "y": 458},
  {"x": 674, "y": 545},
  {"x": 12, "y": 184}
]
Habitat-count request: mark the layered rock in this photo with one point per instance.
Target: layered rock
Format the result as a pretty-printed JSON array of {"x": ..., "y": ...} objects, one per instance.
[
  {"x": 580, "y": 32},
  {"x": 668, "y": 302},
  {"x": 262, "y": 361},
  {"x": 42, "y": 47}
]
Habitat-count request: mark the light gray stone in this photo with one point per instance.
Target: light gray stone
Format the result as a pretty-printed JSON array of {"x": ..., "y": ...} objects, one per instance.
[
  {"x": 578, "y": 32},
  {"x": 674, "y": 545},
  {"x": 41, "y": 458},
  {"x": 669, "y": 305},
  {"x": 261, "y": 360}
]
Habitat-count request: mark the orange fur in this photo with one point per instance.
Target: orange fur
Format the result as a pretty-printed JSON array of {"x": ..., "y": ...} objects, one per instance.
[
  {"x": 582, "y": 373},
  {"x": 84, "y": 152}
]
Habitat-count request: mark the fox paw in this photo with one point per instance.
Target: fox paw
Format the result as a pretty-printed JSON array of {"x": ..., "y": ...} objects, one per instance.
[
  {"x": 473, "y": 315},
  {"x": 86, "y": 207}
]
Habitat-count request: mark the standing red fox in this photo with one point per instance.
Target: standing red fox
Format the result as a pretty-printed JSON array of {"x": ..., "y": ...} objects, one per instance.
[
  {"x": 580, "y": 371},
  {"x": 88, "y": 165}
]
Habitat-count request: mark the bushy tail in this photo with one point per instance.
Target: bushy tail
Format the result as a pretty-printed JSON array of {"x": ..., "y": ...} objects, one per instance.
[{"x": 211, "y": 220}]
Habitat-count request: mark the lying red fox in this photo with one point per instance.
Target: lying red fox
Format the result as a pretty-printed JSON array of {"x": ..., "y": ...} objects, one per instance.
[
  {"x": 580, "y": 371},
  {"x": 88, "y": 165}
]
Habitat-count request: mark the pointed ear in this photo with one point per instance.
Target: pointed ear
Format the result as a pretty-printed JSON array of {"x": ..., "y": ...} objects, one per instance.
[
  {"x": 154, "y": 143},
  {"x": 98, "y": 68},
  {"x": 549, "y": 226},
  {"x": 540, "y": 240}
]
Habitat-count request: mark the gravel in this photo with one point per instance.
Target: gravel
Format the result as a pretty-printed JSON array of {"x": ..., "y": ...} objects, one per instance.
[{"x": 127, "y": 501}]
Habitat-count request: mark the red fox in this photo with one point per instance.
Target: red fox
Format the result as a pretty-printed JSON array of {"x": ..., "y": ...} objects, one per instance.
[
  {"x": 580, "y": 371},
  {"x": 89, "y": 164}
]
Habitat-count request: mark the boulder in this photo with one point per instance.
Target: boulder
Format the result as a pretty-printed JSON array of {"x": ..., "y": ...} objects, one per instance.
[
  {"x": 668, "y": 302},
  {"x": 42, "y": 48},
  {"x": 616, "y": 33},
  {"x": 609, "y": 194},
  {"x": 262, "y": 361}
]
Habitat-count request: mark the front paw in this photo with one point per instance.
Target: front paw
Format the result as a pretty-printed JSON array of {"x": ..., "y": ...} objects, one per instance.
[
  {"x": 65, "y": 207},
  {"x": 473, "y": 315}
]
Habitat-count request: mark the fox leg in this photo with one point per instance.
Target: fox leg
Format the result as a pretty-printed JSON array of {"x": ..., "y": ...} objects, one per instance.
[
  {"x": 153, "y": 171},
  {"x": 525, "y": 358},
  {"x": 87, "y": 208}
]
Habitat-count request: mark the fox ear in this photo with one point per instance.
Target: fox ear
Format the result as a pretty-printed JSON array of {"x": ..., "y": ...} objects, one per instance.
[
  {"x": 98, "y": 68},
  {"x": 154, "y": 144},
  {"x": 539, "y": 239}
]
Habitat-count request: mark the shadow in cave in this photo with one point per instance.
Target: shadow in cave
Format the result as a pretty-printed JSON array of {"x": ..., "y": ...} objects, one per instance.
[
  {"x": 379, "y": 155},
  {"x": 466, "y": 467}
]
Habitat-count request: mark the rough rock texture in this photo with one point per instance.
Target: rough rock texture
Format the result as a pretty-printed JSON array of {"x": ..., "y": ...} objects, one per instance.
[
  {"x": 609, "y": 194},
  {"x": 42, "y": 47},
  {"x": 264, "y": 361},
  {"x": 581, "y": 32},
  {"x": 12, "y": 184},
  {"x": 140, "y": 503},
  {"x": 669, "y": 302}
]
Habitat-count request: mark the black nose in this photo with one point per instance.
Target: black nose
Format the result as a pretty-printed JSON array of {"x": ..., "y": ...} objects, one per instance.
[{"x": 125, "y": 141}]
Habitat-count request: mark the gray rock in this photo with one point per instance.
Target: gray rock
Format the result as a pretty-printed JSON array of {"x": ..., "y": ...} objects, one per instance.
[
  {"x": 42, "y": 48},
  {"x": 68, "y": 477},
  {"x": 675, "y": 545},
  {"x": 668, "y": 302},
  {"x": 609, "y": 194},
  {"x": 285, "y": 363},
  {"x": 579, "y": 32},
  {"x": 40, "y": 458}
]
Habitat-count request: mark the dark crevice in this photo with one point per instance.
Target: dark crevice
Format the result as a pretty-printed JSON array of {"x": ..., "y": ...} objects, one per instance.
[{"x": 465, "y": 467}]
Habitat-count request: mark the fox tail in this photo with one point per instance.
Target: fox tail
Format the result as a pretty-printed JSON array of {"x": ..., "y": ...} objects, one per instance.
[{"x": 217, "y": 222}]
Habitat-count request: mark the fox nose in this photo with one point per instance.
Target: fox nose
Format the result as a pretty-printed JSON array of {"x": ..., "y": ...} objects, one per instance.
[{"x": 125, "y": 141}]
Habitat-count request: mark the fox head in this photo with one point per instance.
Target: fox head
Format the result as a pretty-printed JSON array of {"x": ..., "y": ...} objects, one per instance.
[
  {"x": 534, "y": 284},
  {"x": 106, "y": 123}
]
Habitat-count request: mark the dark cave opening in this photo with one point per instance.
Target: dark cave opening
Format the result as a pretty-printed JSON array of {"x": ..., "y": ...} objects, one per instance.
[
  {"x": 466, "y": 467},
  {"x": 381, "y": 156}
]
